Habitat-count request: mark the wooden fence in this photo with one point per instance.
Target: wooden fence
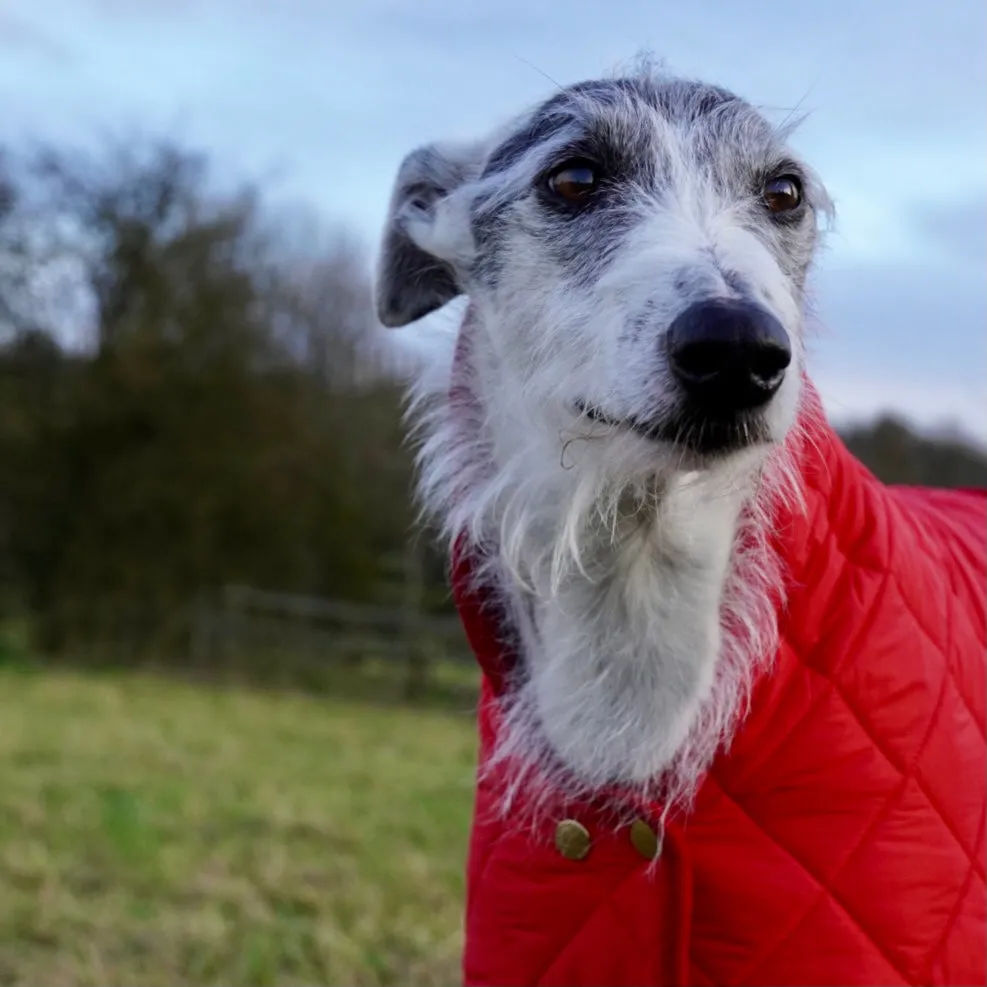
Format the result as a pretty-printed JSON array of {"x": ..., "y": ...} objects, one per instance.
[{"x": 247, "y": 620}]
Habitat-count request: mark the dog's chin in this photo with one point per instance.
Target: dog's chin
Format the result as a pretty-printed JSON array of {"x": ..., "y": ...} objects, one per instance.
[{"x": 701, "y": 436}]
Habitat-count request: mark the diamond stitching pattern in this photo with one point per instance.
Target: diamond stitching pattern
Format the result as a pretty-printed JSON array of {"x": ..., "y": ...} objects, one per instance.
[{"x": 871, "y": 582}]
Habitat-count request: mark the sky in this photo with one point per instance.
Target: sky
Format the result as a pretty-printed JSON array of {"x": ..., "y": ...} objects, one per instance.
[{"x": 320, "y": 100}]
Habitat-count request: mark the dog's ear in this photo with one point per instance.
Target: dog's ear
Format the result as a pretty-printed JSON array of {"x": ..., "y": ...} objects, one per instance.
[{"x": 426, "y": 236}]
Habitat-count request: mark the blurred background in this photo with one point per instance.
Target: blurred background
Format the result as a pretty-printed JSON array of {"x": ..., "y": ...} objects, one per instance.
[{"x": 236, "y": 710}]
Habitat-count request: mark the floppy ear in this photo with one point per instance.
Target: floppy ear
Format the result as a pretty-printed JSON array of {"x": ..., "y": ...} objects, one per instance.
[{"x": 424, "y": 237}]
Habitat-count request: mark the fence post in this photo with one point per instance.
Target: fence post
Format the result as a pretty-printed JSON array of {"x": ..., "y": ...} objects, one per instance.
[
  {"x": 414, "y": 585},
  {"x": 200, "y": 633},
  {"x": 231, "y": 613}
]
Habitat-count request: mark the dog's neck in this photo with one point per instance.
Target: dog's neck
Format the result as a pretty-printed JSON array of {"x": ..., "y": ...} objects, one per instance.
[{"x": 642, "y": 608}]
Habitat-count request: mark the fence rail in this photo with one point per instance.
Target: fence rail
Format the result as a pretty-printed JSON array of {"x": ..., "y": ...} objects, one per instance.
[
  {"x": 290, "y": 606},
  {"x": 282, "y": 627}
]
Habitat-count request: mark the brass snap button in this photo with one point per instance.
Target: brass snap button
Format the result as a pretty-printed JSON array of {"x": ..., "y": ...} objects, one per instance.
[
  {"x": 645, "y": 840},
  {"x": 572, "y": 839}
]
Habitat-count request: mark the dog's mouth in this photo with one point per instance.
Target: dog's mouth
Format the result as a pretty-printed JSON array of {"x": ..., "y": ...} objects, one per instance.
[{"x": 703, "y": 434}]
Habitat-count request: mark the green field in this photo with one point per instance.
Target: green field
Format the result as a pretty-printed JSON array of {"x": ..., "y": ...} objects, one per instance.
[{"x": 154, "y": 832}]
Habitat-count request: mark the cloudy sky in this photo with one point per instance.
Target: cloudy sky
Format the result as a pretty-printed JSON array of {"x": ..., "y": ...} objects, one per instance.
[{"x": 322, "y": 98}]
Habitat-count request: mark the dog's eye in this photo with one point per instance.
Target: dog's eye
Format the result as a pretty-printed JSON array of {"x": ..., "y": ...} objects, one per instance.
[
  {"x": 782, "y": 194},
  {"x": 574, "y": 181}
]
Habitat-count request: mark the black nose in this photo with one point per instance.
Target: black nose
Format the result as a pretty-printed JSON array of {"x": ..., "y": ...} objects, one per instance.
[{"x": 728, "y": 355}]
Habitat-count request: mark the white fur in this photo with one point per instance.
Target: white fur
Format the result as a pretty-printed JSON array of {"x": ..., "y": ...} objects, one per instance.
[{"x": 642, "y": 621}]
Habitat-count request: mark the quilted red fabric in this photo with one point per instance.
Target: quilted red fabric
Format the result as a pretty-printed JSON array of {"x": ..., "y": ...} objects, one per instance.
[{"x": 841, "y": 840}]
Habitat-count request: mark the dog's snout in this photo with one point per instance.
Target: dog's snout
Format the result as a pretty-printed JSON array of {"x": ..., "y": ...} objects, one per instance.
[{"x": 728, "y": 355}]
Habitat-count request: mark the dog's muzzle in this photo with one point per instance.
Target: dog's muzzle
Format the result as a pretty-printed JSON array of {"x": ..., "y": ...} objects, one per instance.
[{"x": 728, "y": 356}]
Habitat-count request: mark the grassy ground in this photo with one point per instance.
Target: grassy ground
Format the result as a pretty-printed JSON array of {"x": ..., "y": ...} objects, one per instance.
[{"x": 153, "y": 832}]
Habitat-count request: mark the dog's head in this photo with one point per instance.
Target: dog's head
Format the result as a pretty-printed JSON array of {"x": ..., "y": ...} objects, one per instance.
[{"x": 637, "y": 249}]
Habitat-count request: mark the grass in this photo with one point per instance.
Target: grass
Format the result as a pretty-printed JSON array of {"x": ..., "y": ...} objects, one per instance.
[{"x": 154, "y": 832}]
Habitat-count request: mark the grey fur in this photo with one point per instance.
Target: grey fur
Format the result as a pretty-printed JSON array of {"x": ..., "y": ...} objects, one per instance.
[
  {"x": 411, "y": 283},
  {"x": 620, "y": 123}
]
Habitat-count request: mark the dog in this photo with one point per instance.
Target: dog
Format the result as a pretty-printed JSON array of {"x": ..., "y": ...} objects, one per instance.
[{"x": 620, "y": 436}]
